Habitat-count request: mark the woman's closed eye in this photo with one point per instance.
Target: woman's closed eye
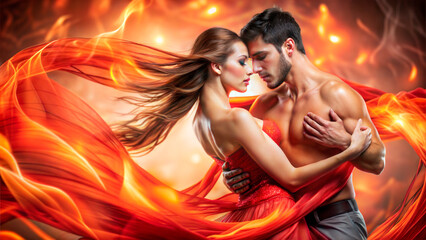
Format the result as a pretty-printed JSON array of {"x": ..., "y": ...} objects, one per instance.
[{"x": 242, "y": 62}]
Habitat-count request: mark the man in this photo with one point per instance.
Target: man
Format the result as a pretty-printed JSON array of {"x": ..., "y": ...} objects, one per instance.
[{"x": 299, "y": 90}]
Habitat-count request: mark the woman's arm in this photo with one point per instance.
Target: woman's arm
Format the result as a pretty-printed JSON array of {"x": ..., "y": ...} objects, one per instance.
[{"x": 269, "y": 156}]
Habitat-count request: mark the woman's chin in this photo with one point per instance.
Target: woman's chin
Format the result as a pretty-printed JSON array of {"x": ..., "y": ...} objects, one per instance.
[{"x": 242, "y": 90}]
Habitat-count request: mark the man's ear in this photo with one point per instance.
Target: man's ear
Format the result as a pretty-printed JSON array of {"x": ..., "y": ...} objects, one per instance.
[
  {"x": 289, "y": 46},
  {"x": 217, "y": 68}
]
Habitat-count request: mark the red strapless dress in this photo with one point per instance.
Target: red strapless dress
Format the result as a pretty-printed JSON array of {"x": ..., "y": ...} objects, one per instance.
[{"x": 265, "y": 195}]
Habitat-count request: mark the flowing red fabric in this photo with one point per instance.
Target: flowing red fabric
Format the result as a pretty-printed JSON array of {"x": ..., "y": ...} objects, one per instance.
[{"x": 61, "y": 164}]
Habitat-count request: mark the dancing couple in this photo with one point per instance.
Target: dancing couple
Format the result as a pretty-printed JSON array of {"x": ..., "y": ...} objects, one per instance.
[
  {"x": 290, "y": 157},
  {"x": 280, "y": 146}
]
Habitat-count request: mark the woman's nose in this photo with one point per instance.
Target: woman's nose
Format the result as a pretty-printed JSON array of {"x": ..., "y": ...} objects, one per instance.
[{"x": 249, "y": 70}]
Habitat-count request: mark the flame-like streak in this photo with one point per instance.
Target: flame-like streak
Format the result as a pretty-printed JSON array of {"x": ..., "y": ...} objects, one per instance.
[
  {"x": 411, "y": 126},
  {"x": 59, "y": 29},
  {"x": 403, "y": 115},
  {"x": 136, "y": 6},
  {"x": 413, "y": 73},
  {"x": 10, "y": 235},
  {"x": 389, "y": 39},
  {"x": 62, "y": 165}
]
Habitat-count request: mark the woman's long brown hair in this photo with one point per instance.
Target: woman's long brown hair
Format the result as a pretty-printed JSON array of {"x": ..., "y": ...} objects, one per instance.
[{"x": 180, "y": 78}]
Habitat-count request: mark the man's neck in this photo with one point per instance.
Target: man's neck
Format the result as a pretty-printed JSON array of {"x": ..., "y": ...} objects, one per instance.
[{"x": 303, "y": 75}]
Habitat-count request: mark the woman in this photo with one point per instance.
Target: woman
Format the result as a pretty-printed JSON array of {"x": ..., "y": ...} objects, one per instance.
[{"x": 170, "y": 86}]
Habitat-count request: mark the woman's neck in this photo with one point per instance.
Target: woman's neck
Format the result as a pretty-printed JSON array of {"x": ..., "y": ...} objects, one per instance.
[{"x": 214, "y": 98}]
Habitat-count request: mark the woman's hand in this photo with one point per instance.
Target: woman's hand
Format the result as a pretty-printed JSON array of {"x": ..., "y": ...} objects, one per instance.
[
  {"x": 327, "y": 133},
  {"x": 360, "y": 140}
]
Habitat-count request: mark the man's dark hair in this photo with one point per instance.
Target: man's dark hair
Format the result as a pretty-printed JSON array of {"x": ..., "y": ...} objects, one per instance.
[{"x": 274, "y": 26}]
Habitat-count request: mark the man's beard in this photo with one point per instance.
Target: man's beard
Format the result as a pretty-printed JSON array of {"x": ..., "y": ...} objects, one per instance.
[{"x": 285, "y": 67}]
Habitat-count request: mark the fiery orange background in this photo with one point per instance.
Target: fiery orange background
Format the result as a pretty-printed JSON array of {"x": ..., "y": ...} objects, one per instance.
[{"x": 377, "y": 43}]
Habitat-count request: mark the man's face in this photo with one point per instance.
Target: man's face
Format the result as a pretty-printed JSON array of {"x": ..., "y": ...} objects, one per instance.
[{"x": 270, "y": 64}]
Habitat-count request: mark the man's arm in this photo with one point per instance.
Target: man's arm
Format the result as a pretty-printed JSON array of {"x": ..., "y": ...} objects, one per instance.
[{"x": 350, "y": 106}]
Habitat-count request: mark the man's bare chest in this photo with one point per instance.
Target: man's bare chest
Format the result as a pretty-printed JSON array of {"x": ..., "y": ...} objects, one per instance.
[{"x": 289, "y": 114}]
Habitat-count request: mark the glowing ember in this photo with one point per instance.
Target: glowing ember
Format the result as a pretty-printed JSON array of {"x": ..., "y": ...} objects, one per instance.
[
  {"x": 321, "y": 29},
  {"x": 159, "y": 40},
  {"x": 361, "y": 58},
  {"x": 413, "y": 73},
  {"x": 212, "y": 10},
  {"x": 318, "y": 61},
  {"x": 323, "y": 8},
  {"x": 334, "y": 39}
]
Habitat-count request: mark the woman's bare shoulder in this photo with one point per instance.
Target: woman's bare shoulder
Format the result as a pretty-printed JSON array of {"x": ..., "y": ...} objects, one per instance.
[{"x": 241, "y": 121}]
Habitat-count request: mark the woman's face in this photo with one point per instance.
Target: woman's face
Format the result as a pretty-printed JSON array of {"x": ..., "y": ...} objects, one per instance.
[{"x": 236, "y": 70}]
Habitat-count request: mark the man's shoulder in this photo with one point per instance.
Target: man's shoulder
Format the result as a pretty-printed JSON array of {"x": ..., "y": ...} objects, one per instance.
[
  {"x": 264, "y": 103},
  {"x": 334, "y": 89},
  {"x": 266, "y": 97},
  {"x": 341, "y": 97}
]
